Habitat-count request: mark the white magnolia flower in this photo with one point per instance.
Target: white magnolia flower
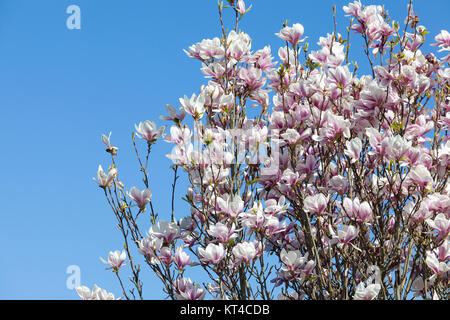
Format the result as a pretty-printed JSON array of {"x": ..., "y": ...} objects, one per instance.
[
  {"x": 213, "y": 253},
  {"x": 116, "y": 259},
  {"x": 167, "y": 231},
  {"x": 368, "y": 292},
  {"x": 96, "y": 294}
]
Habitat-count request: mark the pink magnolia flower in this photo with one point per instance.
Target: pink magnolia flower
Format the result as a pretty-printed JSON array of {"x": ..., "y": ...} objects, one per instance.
[
  {"x": 97, "y": 293},
  {"x": 140, "y": 197},
  {"x": 274, "y": 207},
  {"x": 186, "y": 290},
  {"x": 255, "y": 217},
  {"x": 206, "y": 49},
  {"x": 395, "y": 147},
  {"x": 149, "y": 246},
  {"x": 344, "y": 235},
  {"x": 262, "y": 59},
  {"x": 353, "y": 9},
  {"x": 353, "y": 149},
  {"x": 147, "y": 130},
  {"x": 434, "y": 264},
  {"x": 420, "y": 176},
  {"x": 341, "y": 77},
  {"x": 441, "y": 224},
  {"x": 362, "y": 212},
  {"x": 213, "y": 253},
  {"x": 292, "y": 34},
  {"x": 252, "y": 77},
  {"x": 221, "y": 232},
  {"x": 181, "y": 259},
  {"x": 443, "y": 251},
  {"x": 244, "y": 252},
  {"x": 368, "y": 292},
  {"x": 232, "y": 206},
  {"x": 293, "y": 260},
  {"x": 195, "y": 106},
  {"x": 168, "y": 231},
  {"x": 116, "y": 259},
  {"x": 104, "y": 180},
  {"x": 443, "y": 40},
  {"x": 173, "y": 115},
  {"x": 316, "y": 204}
]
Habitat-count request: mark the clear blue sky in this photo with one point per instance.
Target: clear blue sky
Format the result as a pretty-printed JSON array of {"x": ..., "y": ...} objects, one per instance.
[{"x": 61, "y": 89}]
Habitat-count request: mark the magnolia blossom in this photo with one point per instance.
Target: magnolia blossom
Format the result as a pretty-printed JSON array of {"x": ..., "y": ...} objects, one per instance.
[
  {"x": 97, "y": 293},
  {"x": 316, "y": 204},
  {"x": 195, "y": 106},
  {"x": 441, "y": 224},
  {"x": 167, "y": 231},
  {"x": 421, "y": 176},
  {"x": 141, "y": 197},
  {"x": 344, "y": 235},
  {"x": 367, "y": 292},
  {"x": 213, "y": 253},
  {"x": 244, "y": 252},
  {"x": 147, "y": 130},
  {"x": 443, "y": 251},
  {"x": 232, "y": 206},
  {"x": 295, "y": 262},
  {"x": 292, "y": 34},
  {"x": 173, "y": 115},
  {"x": 104, "y": 180},
  {"x": 181, "y": 259},
  {"x": 186, "y": 290},
  {"x": 353, "y": 149},
  {"x": 438, "y": 267},
  {"x": 359, "y": 211},
  {"x": 116, "y": 259},
  {"x": 149, "y": 246},
  {"x": 222, "y": 233}
]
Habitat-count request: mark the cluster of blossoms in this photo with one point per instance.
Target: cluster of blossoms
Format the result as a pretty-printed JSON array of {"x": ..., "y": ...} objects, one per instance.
[{"x": 337, "y": 188}]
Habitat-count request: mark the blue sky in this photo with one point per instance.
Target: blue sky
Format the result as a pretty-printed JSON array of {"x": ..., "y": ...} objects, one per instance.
[{"x": 61, "y": 89}]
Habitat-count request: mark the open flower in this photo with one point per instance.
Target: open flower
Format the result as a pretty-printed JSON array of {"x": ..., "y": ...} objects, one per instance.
[
  {"x": 213, "y": 253},
  {"x": 140, "y": 197},
  {"x": 353, "y": 149},
  {"x": 441, "y": 224},
  {"x": 292, "y": 34},
  {"x": 167, "y": 231},
  {"x": 438, "y": 267},
  {"x": 97, "y": 293},
  {"x": 149, "y": 246},
  {"x": 173, "y": 115},
  {"x": 147, "y": 130},
  {"x": 116, "y": 259},
  {"x": 195, "y": 106},
  {"x": 366, "y": 292},
  {"x": 244, "y": 252},
  {"x": 316, "y": 204},
  {"x": 186, "y": 290},
  {"x": 221, "y": 232},
  {"x": 181, "y": 259}
]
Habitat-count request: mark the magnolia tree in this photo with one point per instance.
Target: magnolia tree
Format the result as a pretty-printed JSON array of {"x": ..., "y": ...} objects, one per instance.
[{"x": 306, "y": 179}]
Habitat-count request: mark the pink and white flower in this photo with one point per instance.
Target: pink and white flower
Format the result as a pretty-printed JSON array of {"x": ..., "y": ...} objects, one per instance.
[
  {"x": 213, "y": 253},
  {"x": 140, "y": 197},
  {"x": 116, "y": 259}
]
